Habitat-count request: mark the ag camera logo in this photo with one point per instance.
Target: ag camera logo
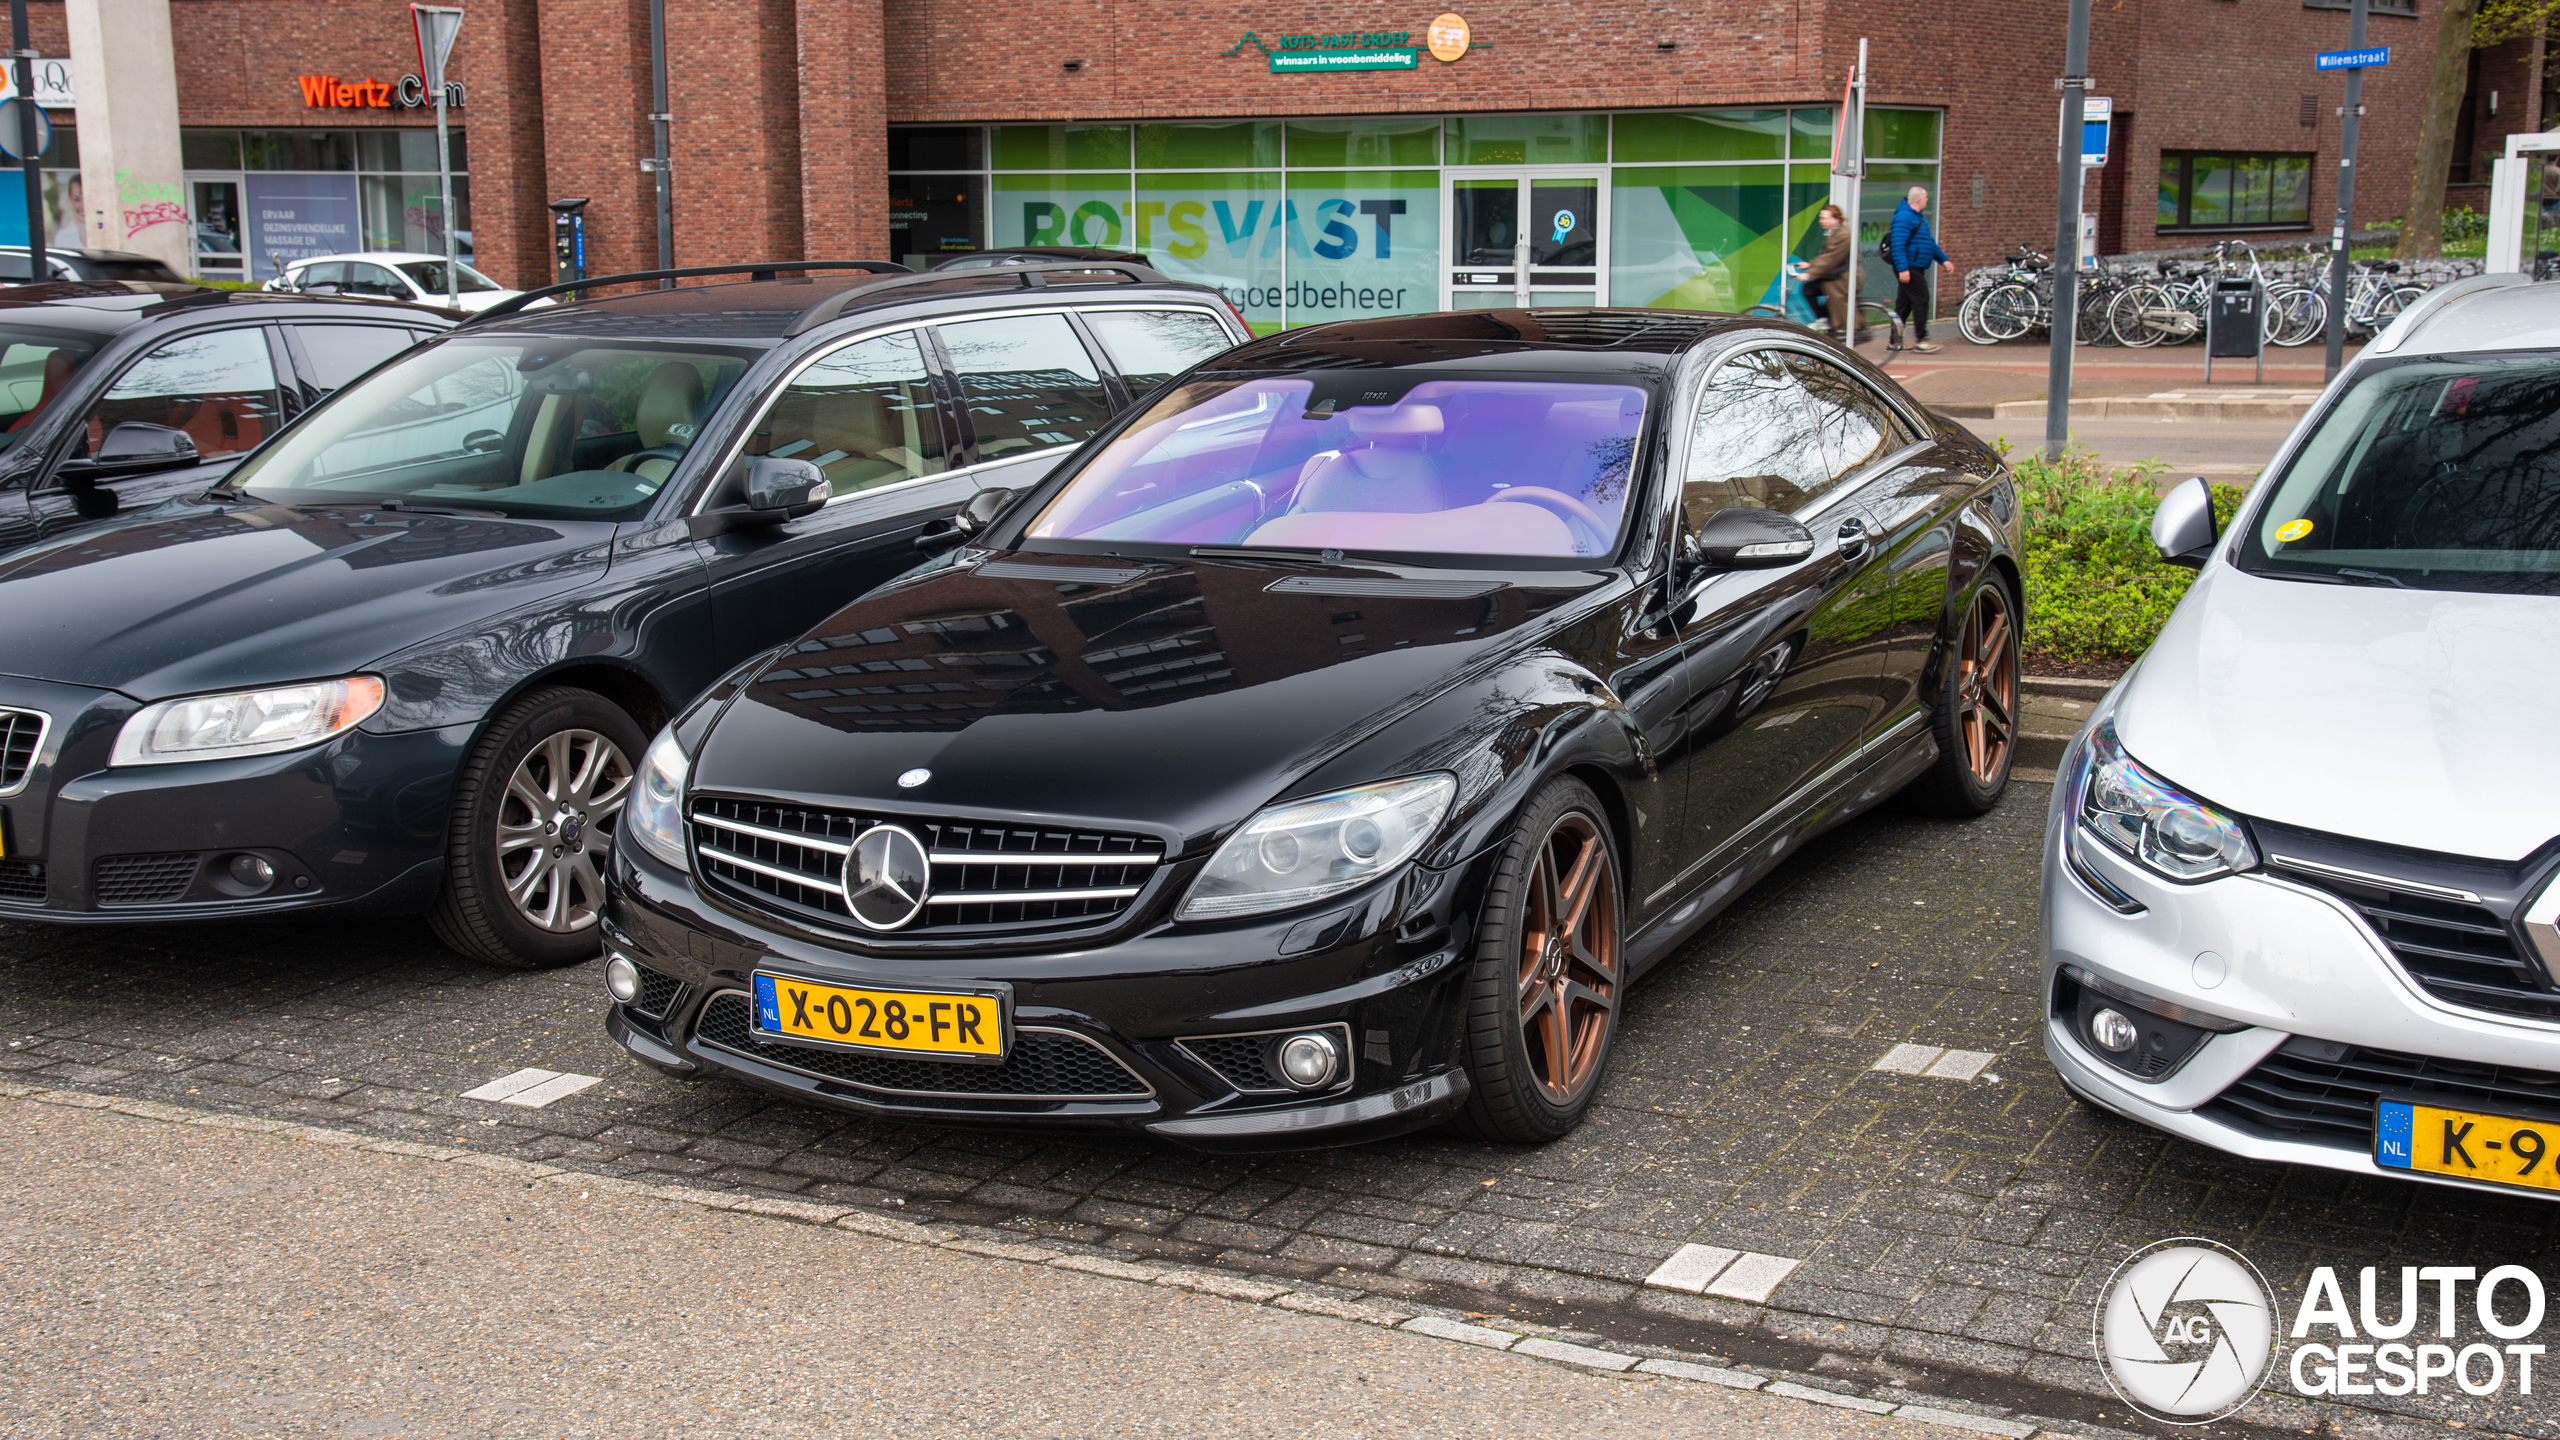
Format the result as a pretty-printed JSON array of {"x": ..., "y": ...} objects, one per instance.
[{"x": 2186, "y": 1331}]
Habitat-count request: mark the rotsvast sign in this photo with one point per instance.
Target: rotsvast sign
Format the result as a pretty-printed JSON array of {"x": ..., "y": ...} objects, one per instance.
[{"x": 1448, "y": 40}]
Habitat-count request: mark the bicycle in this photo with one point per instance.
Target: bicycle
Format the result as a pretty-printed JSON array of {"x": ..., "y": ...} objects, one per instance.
[
  {"x": 1873, "y": 316},
  {"x": 2013, "y": 305}
]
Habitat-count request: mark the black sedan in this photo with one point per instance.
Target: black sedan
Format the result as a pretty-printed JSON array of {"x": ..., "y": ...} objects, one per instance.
[
  {"x": 407, "y": 654},
  {"x": 115, "y": 396},
  {"x": 1324, "y": 750}
]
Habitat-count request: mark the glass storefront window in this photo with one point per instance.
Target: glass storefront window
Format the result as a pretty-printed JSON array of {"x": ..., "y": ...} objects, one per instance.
[
  {"x": 1879, "y": 196},
  {"x": 1062, "y": 210},
  {"x": 1715, "y": 135},
  {"x": 298, "y": 150},
  {"x": 404, "y": 212},
  {"x": 951, "y": 147},
  {"x": 1226, "y": 145},
  {"x": 1528, "y": 139},
  {"x": 1902, "y": 134},
  {"x": 398, "y": 150},
  {"x": 931, "y": 216},
  {"x": 1388, "y": 141},
  {"x": 1222, "y": 228},
  {"x": 1062, "y": 147},
  {"x": 1698, "y": 237},
  {"x": 1811, "y": 134},
  {"x": 209, "y": 149},
  {"x": 1362, "y": 243}
]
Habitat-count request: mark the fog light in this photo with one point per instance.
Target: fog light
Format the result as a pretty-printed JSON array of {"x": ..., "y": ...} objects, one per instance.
[
  {"x": 622, "y": 979},
  {"x": 251, "y": 873},
  {"x": 1310, "y": 1061},
  {"x": 2113, "y": 1031}
]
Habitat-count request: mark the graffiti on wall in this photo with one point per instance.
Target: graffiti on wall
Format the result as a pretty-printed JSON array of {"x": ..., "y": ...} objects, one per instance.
[{"x": 146, "y": 203}]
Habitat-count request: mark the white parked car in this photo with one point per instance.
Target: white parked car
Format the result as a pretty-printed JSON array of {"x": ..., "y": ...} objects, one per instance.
[
  {"x": 2302, "y": 871},
  {"x": 392, "y": 274}
]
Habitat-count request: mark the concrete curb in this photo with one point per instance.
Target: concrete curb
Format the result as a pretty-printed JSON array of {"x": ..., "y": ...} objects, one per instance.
[
  {"x": 1238, "y": 1289},
  {"x": 2173, "y": 405}
]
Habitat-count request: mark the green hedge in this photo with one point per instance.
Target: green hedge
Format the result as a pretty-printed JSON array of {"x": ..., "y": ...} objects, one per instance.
[{"x": 2096, "y": 588}]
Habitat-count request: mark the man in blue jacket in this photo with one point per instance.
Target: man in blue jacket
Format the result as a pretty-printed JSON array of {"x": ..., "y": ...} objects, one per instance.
[{"x": 1914, "y": 251}]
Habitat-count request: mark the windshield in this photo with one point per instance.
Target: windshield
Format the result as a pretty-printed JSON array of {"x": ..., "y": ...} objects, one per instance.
[
  {"x": 2437, "y": 474},
  {"x": 430, "y": 277},
  {"x": 1368, "y": 462},
  {"x": 530, "y": 428},
  {"x": 35, "y": 367}
]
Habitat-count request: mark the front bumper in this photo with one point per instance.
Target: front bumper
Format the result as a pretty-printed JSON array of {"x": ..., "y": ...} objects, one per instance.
[
  {"x": 2292, "y": 963},
  {"x": 353, "y": 826},
  {"x": 1391, "y": 984}
]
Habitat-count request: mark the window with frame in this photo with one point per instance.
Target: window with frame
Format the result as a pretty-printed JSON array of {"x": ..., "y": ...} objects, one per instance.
[
  {"x": 1754, "y": 443},
  {"x": 864, "y": 415},
  {"x": 2378, "y": 7},
  {"x": 2214, "y": 190},
  {"x": 219, "y": 386}
]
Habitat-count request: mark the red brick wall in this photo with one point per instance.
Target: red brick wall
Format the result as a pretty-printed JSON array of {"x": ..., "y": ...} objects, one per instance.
[{"x": 844, "y": 181}]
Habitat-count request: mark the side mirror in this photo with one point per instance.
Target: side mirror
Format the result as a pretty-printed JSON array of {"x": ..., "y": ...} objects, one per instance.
[
  {"x": 135, "y": 446},
  {"x": 1748, "y": 539},
  {"x": 972, "y": 518},
  {"x": 2183, "y": 525},
  {"x": 789, "y": 486}
]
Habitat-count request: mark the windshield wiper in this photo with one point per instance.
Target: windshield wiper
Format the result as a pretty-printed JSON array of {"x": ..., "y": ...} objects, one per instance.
[
  {"x": 1289, "y": 557},
  {"x": 2371, "y": 577}
]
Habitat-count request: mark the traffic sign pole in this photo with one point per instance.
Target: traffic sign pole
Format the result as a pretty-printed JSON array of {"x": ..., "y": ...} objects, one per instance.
[
  {"x": 2346, "y": 187},
  {"x": 2066, "y": 233}
]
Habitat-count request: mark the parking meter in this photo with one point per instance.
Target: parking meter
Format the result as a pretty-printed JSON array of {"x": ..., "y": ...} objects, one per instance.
[{"x": 569, "y": 239}]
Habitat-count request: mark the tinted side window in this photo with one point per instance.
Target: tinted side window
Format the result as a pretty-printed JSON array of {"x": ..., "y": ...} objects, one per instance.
[
  {"x": 1153, "y": 346},
  {"x": 327, "y": 272},
  {"x": 364, "y": 279},
  {"x": 1857, "y": 427},
  {"x": 1754, "y": 443},
  {"x": 1028, "y": 381},
  {"x": 217, "y": 385},
  {"x": 340, "y": 353},
  {"x": 864, "y": 415}
]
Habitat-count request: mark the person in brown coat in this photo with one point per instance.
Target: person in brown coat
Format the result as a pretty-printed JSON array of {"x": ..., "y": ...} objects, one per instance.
[{"x": 1832, "y": 276}]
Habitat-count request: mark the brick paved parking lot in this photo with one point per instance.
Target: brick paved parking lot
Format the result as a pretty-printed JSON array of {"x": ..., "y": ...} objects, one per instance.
[{"x": 1951, "y": 1226}]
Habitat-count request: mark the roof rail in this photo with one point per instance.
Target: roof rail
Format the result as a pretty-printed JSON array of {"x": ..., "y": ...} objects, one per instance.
[
  {"x": 1028, "y": 276},
  {"x": 761, "y": 270}
]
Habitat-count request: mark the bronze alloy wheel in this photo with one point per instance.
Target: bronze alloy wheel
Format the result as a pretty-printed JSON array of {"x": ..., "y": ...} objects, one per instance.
[
  {"x": 1987, "y": 687},
  {"x": 1542, "y": 1004},
  {"x": 1569, "y": 960}
]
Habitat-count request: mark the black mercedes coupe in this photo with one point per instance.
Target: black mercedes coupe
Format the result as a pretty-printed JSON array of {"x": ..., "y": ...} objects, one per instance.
[{"x": 1324, "y": 749}]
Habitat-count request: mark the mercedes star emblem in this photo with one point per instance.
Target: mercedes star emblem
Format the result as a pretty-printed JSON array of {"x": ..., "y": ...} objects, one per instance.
[
  {"x": 886, "y": 877},
  {"x": 913, "y": 778}
]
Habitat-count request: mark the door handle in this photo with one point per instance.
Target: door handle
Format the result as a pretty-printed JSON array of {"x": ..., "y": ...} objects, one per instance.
[{"x": 1853, "y": 538}]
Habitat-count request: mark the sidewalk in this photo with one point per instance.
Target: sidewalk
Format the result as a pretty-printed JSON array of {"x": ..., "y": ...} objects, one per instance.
[{"x": 179, "y": 1279}]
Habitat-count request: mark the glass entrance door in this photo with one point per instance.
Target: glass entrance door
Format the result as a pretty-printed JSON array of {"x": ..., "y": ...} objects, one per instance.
[
  {"x": 216, "y": 216},
  {"x": 1522, "y": 238}
]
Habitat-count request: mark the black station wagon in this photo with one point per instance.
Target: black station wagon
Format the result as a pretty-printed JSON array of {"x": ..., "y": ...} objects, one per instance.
[
  {"x": 1325, "y": 748},
  {"x": 406, "y": 655}
]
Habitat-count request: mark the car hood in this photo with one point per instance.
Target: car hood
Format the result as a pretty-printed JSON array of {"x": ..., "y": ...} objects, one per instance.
[
  {"x": 2420, "y": 718},
  {"x": 189, "y": 597},
  {"x": 1176, "y": 697}
]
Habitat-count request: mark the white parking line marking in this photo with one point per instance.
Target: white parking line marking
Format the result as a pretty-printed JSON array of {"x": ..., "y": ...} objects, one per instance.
[
  {"x": 1909, "y": 1059},
  {"x": 1959, "y": 1065},
  {"x": 532, "y": 1088},
  {"x": 1753, "y": 1277},
  {"x": 1691, "y": 1267}
]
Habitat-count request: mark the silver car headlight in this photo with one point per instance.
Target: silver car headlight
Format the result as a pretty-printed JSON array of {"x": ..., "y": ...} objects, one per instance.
[
  {"x": 2152, "y": 822},
  {"x": 246, "y": 722},
  {"x": 654, "y": 815},
  {"x": 1306, "y": 850}
]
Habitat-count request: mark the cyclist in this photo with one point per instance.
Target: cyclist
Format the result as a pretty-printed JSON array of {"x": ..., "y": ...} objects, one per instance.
[
  {"x": 1830, "y": 278},
  {"x": 1914, "y": 250}
]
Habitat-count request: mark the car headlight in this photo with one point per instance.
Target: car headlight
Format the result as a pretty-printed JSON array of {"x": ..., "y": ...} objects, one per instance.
[
  {"x": 2151, "y": 821},
  {"x": 1305, "y": 850},
  {"x": 246, "y": 722},
  {"x": 654, "y": 814}
]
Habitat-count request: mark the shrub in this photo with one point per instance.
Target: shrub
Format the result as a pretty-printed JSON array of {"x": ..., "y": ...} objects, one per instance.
[{"x": 2096, "y": 588}]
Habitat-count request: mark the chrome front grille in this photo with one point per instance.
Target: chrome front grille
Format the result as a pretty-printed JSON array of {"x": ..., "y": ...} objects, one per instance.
[
  {"x": 2447, "y": 939},
  {"x": 983, "y": 877},
  {"x": 1044, "y": 1064},
  {"x": 21, "y": 736}
]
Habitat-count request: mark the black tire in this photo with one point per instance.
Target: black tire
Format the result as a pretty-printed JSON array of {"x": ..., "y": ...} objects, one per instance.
[
  {"x": 1976, "y": 719},
  {"x": 486, "y": 909},
  {"x": 1517, "y": 1097}
]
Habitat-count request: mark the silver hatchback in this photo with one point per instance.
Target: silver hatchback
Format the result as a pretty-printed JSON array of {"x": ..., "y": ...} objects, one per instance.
[{"x": 2299, "y": 894}]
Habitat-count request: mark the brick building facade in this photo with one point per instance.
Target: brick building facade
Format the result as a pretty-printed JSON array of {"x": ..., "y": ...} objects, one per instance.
[{"x": 1688, "y": 147}]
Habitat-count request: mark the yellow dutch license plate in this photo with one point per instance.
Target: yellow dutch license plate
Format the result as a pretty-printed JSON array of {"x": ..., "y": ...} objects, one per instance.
[
  {"x": 957, "y": 1025},
  {"x": 2467, "y": 1144}
]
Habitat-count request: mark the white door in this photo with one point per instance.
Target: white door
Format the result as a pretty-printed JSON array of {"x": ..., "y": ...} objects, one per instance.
[{"x": 1525, "y": 237}]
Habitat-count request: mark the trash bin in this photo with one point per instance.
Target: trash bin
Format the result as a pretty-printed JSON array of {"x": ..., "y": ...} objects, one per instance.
[{"x": 2235, "y": 325}]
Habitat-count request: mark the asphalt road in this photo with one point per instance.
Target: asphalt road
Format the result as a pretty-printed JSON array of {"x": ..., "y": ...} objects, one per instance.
[
  {"x": 1951, "y": 1233},
  {"x": 166, "y": 1281}
]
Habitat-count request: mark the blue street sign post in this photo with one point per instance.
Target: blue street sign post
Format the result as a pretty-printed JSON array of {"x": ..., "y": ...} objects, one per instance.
[
  {"x": 2355, "y": 60},
  {"x": 2365, "y": 59}
]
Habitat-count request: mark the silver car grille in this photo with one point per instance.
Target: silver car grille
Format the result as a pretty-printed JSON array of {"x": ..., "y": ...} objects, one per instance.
[{"x": 984, "y": 878}]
